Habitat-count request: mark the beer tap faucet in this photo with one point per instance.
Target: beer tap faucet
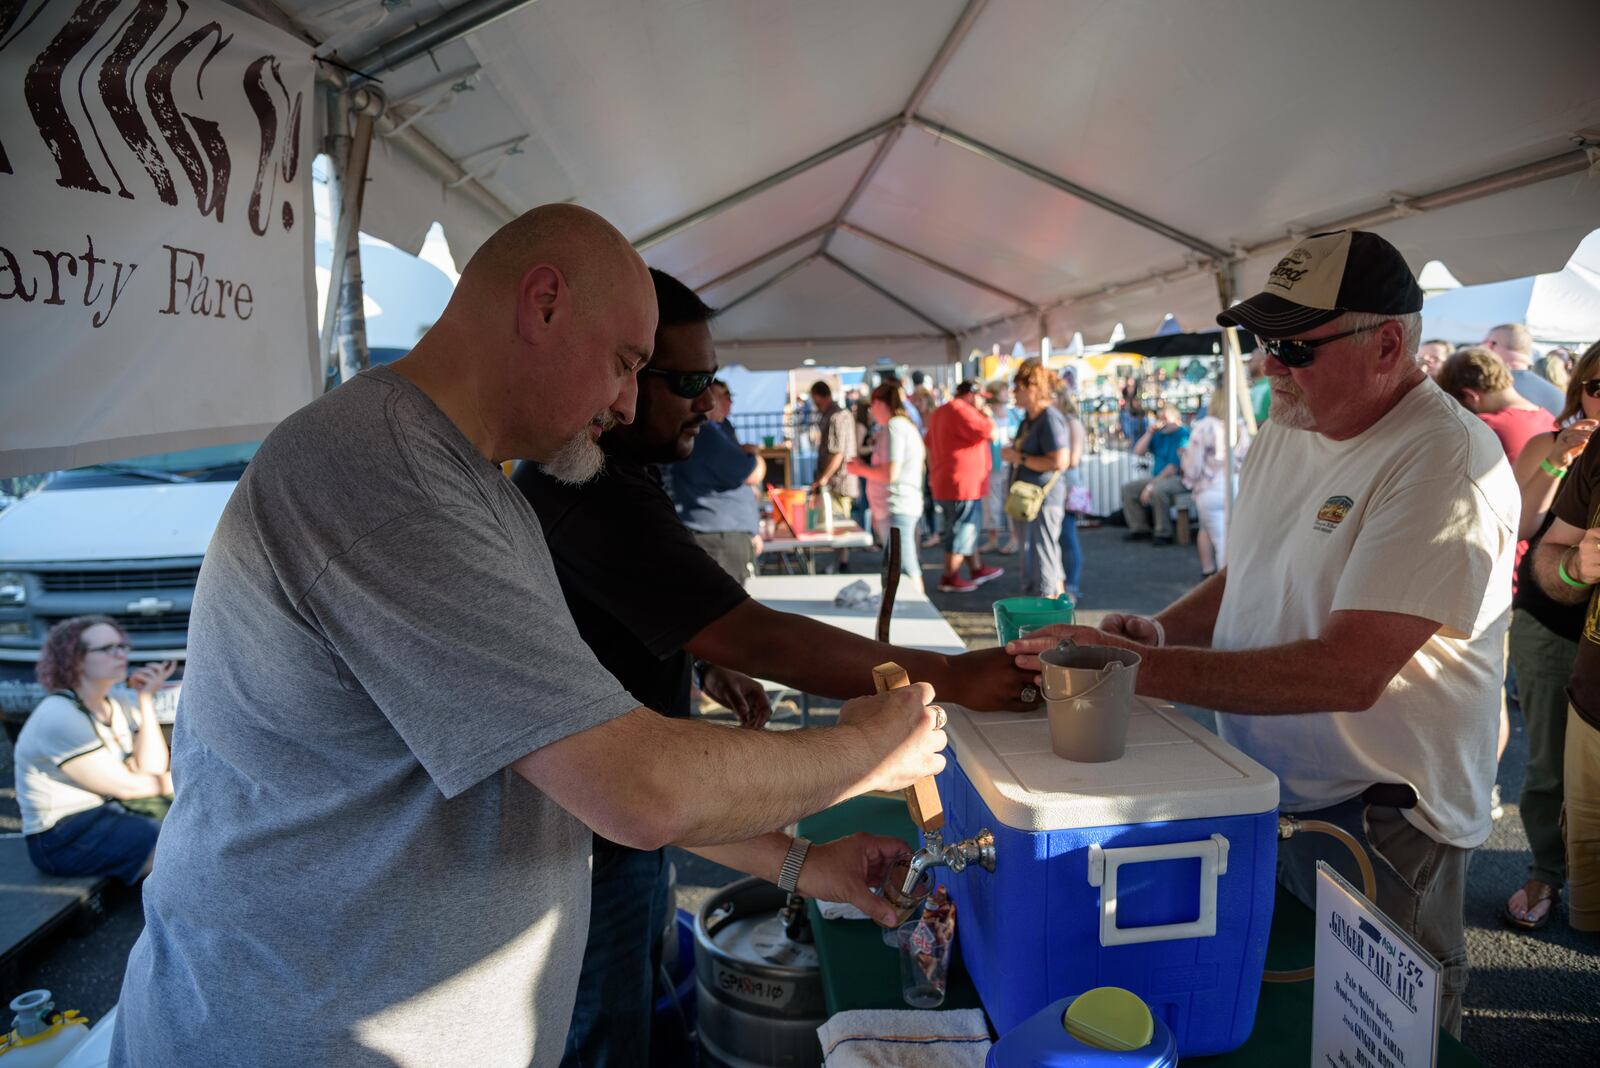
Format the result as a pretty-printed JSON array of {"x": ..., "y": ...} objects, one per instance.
[{"x": 979, "y": 849}]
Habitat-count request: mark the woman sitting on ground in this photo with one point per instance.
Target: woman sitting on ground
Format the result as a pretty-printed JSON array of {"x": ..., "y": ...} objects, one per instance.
[{"x": 85, "y": 758}]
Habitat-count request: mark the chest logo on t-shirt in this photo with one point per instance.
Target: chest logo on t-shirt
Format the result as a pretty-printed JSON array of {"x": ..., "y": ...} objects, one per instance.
[{"x": 1332, "y": 513}]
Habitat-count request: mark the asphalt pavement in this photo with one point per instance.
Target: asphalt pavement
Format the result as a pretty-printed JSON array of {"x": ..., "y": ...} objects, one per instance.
[{"x": 1534, "y": 999}]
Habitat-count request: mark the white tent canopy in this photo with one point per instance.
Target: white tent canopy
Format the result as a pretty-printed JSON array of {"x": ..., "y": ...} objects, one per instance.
[
  {"x": 1561, "y": 308},
  {"x": 911, "y": 179}
]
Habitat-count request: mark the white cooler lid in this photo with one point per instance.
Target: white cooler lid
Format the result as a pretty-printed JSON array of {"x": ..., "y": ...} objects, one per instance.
[{"x": 1173, "y": 769}]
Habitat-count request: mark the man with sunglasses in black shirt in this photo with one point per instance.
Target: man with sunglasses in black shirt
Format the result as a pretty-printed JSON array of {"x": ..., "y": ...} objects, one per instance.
[
  {"x": 1354, "y": 642},
  {"x": 651, "y": 603}
]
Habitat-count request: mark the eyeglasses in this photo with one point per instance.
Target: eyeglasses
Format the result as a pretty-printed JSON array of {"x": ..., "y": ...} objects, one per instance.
[
  {"x": 115, "y": 647},
  {"x": 685, "y": 384},
  {"x": 1296, "y": 353},
  {"x": 1591, "y": 388}
]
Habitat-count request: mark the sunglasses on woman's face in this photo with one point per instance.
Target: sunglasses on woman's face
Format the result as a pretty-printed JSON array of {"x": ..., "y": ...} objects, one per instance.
[
  {"x": 685, "y": 384},
  {"x": 1296, "y": 353},
  {"x": 1591, "y": 388}
]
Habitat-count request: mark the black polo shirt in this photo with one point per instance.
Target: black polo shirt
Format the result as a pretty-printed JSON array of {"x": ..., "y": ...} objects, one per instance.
[{"x": 638, "y": 585}]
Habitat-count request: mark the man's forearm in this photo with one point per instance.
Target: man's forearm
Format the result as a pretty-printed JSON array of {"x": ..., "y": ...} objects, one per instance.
[
  {"x": 829, "y": 468},
  {"x": 1170, "y": 469},
  {"x": 761, "y": 856},
  {"x": 809, "y": 655},
  {"x": 1547, "y": 561},
  {"x": 1297, "y": 677},
  {"x": 1191, "y": 619}
]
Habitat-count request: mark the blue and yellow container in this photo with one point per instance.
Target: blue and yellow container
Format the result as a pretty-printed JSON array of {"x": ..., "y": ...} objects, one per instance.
[
  {"x": 1153, "y": 872},
  {"x": 1104, "y": 1028}
]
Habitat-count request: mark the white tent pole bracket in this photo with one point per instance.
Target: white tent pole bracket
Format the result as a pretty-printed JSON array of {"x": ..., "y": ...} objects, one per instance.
[
  {"x": 929, "y": 261},
  {"x": 882, "y": 292},
  {"x": 733, "y": 200},
  {"x": 1056, "y": 181}
]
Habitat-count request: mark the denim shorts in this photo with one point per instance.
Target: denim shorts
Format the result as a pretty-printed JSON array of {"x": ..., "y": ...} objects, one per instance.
[
  {"x": 108, "y": 840},
  {"x": 958, "y": 525}
]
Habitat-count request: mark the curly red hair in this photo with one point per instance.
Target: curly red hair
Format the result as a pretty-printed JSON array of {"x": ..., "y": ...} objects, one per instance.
[{"x": 61, "y": 659}]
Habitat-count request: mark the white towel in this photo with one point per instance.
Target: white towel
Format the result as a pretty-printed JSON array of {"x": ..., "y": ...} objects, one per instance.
[
  {"x": 913, "y": 1038},
  {"x": 840, "y": 910}
]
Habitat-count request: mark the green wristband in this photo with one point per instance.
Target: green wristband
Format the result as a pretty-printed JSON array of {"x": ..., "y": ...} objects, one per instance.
[
  {"x": 1552, "y": 470},
  {"x": 1561, "y": 569}
]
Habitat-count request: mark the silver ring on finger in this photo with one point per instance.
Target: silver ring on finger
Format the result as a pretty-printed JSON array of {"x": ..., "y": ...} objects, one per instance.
[
  {"x": 939, "y": 718},
  {"x": 1029, "y": 694}
]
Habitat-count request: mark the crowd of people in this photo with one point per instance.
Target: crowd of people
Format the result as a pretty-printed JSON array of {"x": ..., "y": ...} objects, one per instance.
[{"x": 420, "y": 696}]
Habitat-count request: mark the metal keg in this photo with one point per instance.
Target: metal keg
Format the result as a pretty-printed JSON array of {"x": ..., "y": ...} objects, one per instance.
[{"x": 758, "y": 991}]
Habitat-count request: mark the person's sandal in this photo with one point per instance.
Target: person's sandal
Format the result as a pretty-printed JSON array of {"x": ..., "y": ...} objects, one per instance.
[{"x": 1545, "y": 893}]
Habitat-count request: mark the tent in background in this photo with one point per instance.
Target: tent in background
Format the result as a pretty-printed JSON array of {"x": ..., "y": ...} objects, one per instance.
[{"x": 1558, "y": 309}]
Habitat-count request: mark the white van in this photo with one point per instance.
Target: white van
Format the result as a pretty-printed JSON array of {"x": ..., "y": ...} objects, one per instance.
[{"x": 122, "y": 539}]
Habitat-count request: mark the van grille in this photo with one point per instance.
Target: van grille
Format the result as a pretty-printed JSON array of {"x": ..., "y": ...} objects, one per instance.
[{"x": 133, "y": 580}]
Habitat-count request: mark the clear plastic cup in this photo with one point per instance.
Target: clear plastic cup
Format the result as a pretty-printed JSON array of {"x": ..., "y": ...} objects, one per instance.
[
  {"x": 905, "y": 905},
  {"x": 924, "y": 965}
]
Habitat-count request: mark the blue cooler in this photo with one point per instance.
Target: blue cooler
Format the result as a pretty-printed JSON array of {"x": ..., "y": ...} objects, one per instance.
[{"x": 1154, "y": 873}]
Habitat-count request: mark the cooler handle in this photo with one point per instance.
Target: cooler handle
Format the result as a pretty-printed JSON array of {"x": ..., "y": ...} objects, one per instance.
[{"x": 1103, "y": 865}]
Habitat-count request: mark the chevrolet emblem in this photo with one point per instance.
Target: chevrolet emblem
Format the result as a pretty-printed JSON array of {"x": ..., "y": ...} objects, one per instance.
[{"x": 149, "y": 606}]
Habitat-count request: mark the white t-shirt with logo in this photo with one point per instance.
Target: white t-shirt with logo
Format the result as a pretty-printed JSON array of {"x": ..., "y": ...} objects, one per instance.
[{"x": 1416, "y": 516}]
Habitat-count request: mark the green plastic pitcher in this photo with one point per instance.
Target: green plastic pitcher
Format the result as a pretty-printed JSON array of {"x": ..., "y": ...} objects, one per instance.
[{"x": 1011, "y": 614}]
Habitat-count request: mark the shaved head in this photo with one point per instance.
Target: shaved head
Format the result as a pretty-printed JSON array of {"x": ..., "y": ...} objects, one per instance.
[{"x": 538, "y": 349}]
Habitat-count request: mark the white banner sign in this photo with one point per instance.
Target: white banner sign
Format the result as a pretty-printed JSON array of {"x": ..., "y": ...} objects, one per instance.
[
  {"x": 1376, "y": 1000},
  {"x": 156, "y": 286}
]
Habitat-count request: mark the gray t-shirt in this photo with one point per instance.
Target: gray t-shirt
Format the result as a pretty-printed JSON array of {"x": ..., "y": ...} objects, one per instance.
[
  {"x": 350, "y": 875},
  {"x": 1539, "y": 390}
]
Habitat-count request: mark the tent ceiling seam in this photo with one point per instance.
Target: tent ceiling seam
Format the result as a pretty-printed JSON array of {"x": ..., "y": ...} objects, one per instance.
[
  {"x": 1558, "y": 166},
  {"x": 770, "y": 254},
  {"x": 938, "y": 265},
  {"x": 953, "y": 40},
  {"x": 1066, "y": 185},
  {"x": 886, "y": 294},
  {"x": 794, "y": 170},
  {"x": 761, "y": 287}
]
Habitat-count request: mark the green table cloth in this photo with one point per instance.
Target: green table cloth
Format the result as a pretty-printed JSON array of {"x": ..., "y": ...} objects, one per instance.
[{"x": 860, "y": 972}]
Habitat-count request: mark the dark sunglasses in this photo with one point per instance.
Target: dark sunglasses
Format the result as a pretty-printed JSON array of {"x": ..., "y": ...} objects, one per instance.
[
  {"x": 1591, "y": 388},
  {"x": 686, "y": 384},
  {"x": 1295, "y": 353},
  {"x": 114, "y": 647}
]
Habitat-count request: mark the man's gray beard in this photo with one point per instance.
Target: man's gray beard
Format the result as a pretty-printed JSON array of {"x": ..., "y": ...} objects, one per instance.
[
  {"x": 1295, "y": 414},
  {"x": 579, "y": 460}
]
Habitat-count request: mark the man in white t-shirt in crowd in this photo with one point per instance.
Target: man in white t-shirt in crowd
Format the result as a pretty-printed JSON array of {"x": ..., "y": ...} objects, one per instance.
[
  {"x": 1354, "y": 641},
  {"x": 1514, "y": 345}
]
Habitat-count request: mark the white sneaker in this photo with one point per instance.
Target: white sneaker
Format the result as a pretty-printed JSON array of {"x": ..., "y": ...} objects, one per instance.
[{"x": 1496, "y": 809}]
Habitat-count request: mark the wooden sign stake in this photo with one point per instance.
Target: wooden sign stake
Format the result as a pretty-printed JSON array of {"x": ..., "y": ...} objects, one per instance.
[{"x": 922, "y": 796}]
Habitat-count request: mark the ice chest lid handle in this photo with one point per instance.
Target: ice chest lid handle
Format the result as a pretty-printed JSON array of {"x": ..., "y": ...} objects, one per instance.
[{"x": 1103, "y": 866}]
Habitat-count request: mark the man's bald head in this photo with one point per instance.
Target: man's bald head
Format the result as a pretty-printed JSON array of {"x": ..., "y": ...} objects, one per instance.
[
  {"x": 594, "y": 258},
  {"x": 542, "y": 338}
]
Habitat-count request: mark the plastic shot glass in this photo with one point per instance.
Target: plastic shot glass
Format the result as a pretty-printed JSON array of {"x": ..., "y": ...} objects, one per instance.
[{"x": 924, "y": 965}]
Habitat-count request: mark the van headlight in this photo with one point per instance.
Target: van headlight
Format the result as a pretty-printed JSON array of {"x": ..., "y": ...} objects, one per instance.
[{"x": 13, "y": 591}]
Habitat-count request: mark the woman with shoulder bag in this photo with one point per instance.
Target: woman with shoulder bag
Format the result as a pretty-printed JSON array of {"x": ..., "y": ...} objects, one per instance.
[{"x": 1039, "y": 456}]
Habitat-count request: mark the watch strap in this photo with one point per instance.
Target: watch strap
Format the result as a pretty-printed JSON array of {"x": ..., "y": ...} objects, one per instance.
[{"x": 789, "y": 874}]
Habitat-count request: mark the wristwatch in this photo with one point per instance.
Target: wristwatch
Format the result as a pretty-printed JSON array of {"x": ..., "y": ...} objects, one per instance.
[{"x": 789, "y": 874}]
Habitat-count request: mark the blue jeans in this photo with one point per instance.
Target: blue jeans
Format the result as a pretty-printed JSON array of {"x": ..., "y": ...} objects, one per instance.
[
  {"x": 1071, "y": 553},
  {"x": 108, "y": 840},
  {"x": 907, "y": 526},
  {"x": 1041, "y": 553},
  {"x": 627, "y": 910},
  {"x": 958, "y": 525}
]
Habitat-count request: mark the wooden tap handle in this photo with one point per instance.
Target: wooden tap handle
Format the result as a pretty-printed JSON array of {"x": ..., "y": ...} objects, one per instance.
[{"x": 922, "y": 796}]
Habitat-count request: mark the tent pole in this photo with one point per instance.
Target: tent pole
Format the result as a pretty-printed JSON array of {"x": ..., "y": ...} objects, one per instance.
[
  {"x": 454, "y": 24},
  {"x": 344, "y": 322},
  {"x": 929, "y": 261},
  {"x": 770, "y": 254},
  {"x": 909, "y": 308}
]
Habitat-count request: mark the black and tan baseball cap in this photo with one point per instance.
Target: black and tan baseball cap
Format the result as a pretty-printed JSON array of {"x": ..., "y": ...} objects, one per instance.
[{"x": 1325, "y": 276}]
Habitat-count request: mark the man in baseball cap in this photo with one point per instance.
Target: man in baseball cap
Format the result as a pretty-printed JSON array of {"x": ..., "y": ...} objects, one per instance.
[{"x": 1354, "y": 642}]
